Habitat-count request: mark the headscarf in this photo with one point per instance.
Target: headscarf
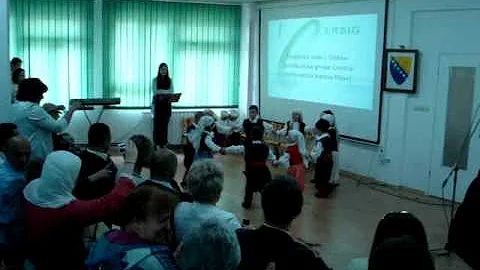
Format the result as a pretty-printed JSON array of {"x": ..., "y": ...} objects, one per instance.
[
  {"x": 54, "y": 187},
  {"x": 224, "y": 115},
  {"x": 234, "y": 114},
  {"x": 330, "y": 118},
  {"x": 204, "y": 122}
]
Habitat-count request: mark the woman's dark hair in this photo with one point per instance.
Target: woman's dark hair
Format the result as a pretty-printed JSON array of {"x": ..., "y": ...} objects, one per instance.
[
  {"x": 33, "y": 170},
  {"x": 397, "y": 224},
  {"x": 15, "y": 74},
  {"x": 147, "y": 199},
  {"x": 15, "y": 61},
  {"x": 322, "y": 125},
  {"x": 163, "y": 82},
  {"x": 282, "y": 200},
  {"x": 328, "y": 112},
  {"x": 400, "y": 253},
  {"x": 145, "y": 150},
  {"x": 31, "y": 89}
]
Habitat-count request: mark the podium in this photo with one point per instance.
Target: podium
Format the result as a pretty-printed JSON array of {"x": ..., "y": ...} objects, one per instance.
[{"x": 168, "y": 97}]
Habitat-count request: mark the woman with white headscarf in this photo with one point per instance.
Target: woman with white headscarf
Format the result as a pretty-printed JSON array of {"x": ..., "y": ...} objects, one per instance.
[
  {"x": 55, "y": 218},
  {"x": 295, "y": 157},
  {"x": 202, "y": 139}
]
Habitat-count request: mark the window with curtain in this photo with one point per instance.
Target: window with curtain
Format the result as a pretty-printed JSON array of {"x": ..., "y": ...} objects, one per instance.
[
  {"x": 55, "y": 41},
  {"x": 199, "y": 42}
]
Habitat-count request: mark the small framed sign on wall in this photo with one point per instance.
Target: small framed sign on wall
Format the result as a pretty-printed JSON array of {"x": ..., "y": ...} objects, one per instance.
[{"x": 401, "y": 71}]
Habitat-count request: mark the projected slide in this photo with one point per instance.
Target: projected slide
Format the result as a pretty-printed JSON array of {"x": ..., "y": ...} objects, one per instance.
[{"x": 328, "y": 60}]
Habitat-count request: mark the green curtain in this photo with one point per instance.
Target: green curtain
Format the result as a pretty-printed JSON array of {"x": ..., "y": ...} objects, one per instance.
[
  {"x": 55, "y": 41},
  {"x": 199, "y": 42}
]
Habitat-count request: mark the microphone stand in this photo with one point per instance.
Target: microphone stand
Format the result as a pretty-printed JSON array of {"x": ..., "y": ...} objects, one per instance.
[{"x": 454, "y": 171}]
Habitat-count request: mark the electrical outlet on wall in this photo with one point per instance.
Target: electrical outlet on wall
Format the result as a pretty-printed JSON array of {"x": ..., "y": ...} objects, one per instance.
[{"x": 381, "y": 156}]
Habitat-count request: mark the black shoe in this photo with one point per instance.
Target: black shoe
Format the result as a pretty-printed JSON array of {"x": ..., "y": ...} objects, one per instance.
[
  {"x": 321, "y": 195},
  {"x": 183, "y": 184},
  {"x": 312, "y": 180},
  {"x": 246, "y": 205}
]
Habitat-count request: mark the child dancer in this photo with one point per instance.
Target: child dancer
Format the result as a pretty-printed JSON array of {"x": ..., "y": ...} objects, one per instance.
[
  {"x": 295, "y": 156},
  {"x": 322, "y": 153},
  {"x": 257, "y": 153},
  {"x": 202, "y": 139},
  {"x": 296, "y": 123},
  {"x": 223, "y": 129},
  {"x": 332, "y": 131},
  {"x": 188, "y": 149},
  {"x": 254, "y": 120},
  {"x": 236, "y": 126}
]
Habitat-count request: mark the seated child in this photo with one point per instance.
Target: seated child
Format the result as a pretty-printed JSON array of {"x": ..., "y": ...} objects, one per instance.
[{"x": 144, "y": 242}]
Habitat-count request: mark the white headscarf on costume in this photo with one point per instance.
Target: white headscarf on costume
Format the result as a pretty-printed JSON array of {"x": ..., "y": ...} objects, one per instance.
[
  {"x": 54, "y": 187},
  {"x": 234, "y": 114},
  {"x": 204, "y": 122},
  {"x": 330, "y": 118},
  {"x": 224, "y": 115}
]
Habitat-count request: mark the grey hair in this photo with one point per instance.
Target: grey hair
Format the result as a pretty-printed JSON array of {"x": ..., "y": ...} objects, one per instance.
[
  {"x": 210, "y": 246},
  {"x": 205, "y": 181}
]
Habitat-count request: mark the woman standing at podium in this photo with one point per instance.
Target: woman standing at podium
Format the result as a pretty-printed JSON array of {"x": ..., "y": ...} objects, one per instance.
[{"x": 161, "y": 106}]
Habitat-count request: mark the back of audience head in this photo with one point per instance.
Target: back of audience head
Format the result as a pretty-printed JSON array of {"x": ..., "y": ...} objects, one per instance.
[
  {"x": 7, "y": 131},
  {"x": 145, "y": 150},
  {"x": 18, "y": 75},
  {"x": 400, "y": 253},
  {"x": 210, "y": 246},
  {"x": 15, "y": 63},
  {"x": 18, "y": 152},
  {"x": 163, "y": 165},
  {"x": 282, "y": 201},
  {"x": 32, "y": 90},
  {"x": 205, "y": 181},
  {"x": 146, "y": 213},
  {"x": 256, "y": 134},
  {"x": 99, "y": 137},
  {"x": 398, "y": 224},
  {"x": 322, "y": 125}
]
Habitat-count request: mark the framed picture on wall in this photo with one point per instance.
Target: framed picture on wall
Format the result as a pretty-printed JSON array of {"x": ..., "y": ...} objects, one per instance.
[{"x": 400, "y": 71}]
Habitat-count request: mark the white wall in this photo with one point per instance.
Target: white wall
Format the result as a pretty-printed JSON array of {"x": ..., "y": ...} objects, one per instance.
[
  {"x": 404, "y": 154},
  {"x": 5, "y": 84}
]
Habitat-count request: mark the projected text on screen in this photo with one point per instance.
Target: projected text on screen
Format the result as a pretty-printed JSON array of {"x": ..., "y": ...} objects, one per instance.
[{"x": 329, "y": 60}]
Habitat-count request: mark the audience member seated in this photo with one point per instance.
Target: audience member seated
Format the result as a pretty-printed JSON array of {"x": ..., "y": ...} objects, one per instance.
[
  {"x": 98, "y": 172},
  {"x": 144, "y": 242},
  {"x": 18, "y": 75},
  {"x": 55, "y": 218},
  {"x": 7, "y": 131},
  {"x": 12, "y": 182},
  {"x": 162, "y": 171},
  {"x": 401, "y": 253},
  {"x": 145, "y": 150},
  {"x": 282, "y": 202},
  {"x": 395, "y": 224},
  {"x": 33, "y": 121},
  {"x": 464, "y": 234},
  {"x": 205, "y": 183},
  {"x": 210, "y": 246}
]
